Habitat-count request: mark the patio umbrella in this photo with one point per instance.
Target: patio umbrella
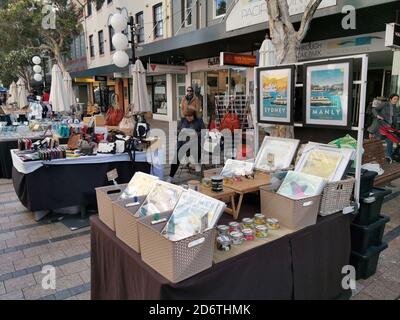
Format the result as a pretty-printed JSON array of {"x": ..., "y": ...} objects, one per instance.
[
  {"x": 140, "y": 97},
  {"x": 267, "y": 53},
  {"x": 21, "y": 93},
  {"x": 57, "y": 90},
  {"x": 69, "y": 92},
  {"x": 13, "y": 92}
]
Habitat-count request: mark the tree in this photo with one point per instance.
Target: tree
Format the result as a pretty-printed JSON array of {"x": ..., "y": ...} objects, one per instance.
[
  {"x": 16, "y": 64},
  {"x": 283, "y": 34},
  {"x": 28, "y": 24}
]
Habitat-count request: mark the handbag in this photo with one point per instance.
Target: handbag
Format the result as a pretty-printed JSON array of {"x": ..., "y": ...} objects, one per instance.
[
  {"x": 127, "y": 124},
  {"x": 73, "y": 141},
  {"x": 230, "y": 120}
]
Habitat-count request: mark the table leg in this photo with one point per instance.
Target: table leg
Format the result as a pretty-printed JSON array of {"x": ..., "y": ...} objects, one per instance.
[
  {"x": 239, "y": 205},
  {"x": 234, "y": 213}
]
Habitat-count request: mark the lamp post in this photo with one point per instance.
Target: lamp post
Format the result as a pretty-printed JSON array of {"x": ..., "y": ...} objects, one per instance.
[{"x": 120, "y": 41}]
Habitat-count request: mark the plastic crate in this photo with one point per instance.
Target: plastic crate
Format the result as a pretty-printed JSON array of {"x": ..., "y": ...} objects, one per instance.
[
  {"x": 366, "y": 264},
  {"x": 363, "y": 237},
  {"x": 370, "y": 207}
]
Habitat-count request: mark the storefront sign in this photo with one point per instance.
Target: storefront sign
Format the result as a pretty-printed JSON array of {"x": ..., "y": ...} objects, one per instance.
[
  {"x": 250, "y": 12},
  {"x": 392, "y": 35},
  {"x": 84, "y": 80},
  {"x": 241, "y": 60},
  {"x": 373, "y": 42},
  {"x": 153, "y": 68},
  {"x": 100, "y": 78}
]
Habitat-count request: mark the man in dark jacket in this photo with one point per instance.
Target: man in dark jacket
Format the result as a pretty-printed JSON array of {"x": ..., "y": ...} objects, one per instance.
[
  {"x": 190, "y": 121},
  {"x": 385, "y": 111}
]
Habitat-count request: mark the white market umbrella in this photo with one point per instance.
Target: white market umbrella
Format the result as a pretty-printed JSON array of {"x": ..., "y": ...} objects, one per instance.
[
  {"x": 267, "y": 54},
  {"x": 141, "y": 101},
  {"x": 57, "y": 99},
  {"x": 13, "y": 92},
  {"x": 21, "y": 93},
  {"x": 69, "y": 92}
]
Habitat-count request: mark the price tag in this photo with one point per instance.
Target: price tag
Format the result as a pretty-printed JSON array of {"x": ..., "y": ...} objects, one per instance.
[{"x": 112, "y": 175}]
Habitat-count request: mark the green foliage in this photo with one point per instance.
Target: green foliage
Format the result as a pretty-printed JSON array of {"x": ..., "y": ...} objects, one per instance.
[{"x": 15, "y": 64}]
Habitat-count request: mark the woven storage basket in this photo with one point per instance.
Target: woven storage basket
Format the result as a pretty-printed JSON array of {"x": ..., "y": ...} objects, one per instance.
[
  {"x": 105, "y": 197},
  {"x": 126, "y": 223},
  {"x": 292, "y": 214},
  {"x": 179, "y": 260},
  {"x": 336, "y": 196}
]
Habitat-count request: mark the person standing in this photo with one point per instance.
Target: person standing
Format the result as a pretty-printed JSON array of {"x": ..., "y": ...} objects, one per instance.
[
  {"x": 191, "y": 102},
  {"x": 385, "y": 111}
]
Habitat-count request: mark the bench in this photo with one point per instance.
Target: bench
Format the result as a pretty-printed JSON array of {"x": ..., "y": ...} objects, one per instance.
[{"x": 374, "y": 152}]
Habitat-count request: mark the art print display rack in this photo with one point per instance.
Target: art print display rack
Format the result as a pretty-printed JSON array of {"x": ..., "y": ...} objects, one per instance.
[{"x": 315, "y": 95}]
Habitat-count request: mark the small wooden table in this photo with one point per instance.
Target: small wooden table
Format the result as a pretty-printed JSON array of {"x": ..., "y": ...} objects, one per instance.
[
  {"x": 227, "y": 193},
  {"x": 247, "y": 186}
]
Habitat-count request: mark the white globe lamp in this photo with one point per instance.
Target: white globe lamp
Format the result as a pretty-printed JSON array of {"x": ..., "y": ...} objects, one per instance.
[
  {"x": 120, "y": 41},
  {"x": 37, "y": 68},
  {"x": 38, "y": 77},
  {"x": 36, "y": 60},
  {"x": 121, "y": 59},
  {"x": 118, "y": 22}
]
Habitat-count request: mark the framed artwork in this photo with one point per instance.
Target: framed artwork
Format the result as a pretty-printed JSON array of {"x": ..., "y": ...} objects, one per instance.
[
  {"x": 275, "y": 94},
  {"x": 328, "y": 94}
]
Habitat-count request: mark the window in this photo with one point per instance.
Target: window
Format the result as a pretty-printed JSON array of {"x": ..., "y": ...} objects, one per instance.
[
  {"x": 157, "y": 90},
  {"x": 187, "y": 12},
  {"x": 219, "y": 8},
  {"x": 111, "y": 32},
  {"x": 158, "y": 21},
  {"x": 89, "y": 7},
  {"x": 140, "y": 22},
  {"x": 91, "y": 46},
  {"x": 99, "y": 4},
  {"x": 83, "y": 44},
  {"x": 101, "y": 42}
]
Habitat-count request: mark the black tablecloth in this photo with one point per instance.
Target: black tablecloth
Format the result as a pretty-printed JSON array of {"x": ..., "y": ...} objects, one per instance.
[
  {"x": 304, "y": 265},
  {"x": 59, "y": 186},
  {"x": 5, "y": 158}
]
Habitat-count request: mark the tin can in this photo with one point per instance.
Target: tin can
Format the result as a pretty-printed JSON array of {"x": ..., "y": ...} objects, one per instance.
[
  {"x": 261, "y": 231},
  {"x": 223, "y": 230},
  {"x": 273, "y": 224},
  {"x": 234, "y": 226},
  {"x": 248, "y": 234},
  {"x": 247, "y": 223},
  {"x": 237, "y": 237},
  {"x": 259, "y": 219},
  {"x": 224, "y": 243}
]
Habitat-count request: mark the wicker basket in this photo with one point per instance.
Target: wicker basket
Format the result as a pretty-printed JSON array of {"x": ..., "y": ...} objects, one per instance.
[
  {"x": 105, "y": 197},
  {"x": 126, "y": 223},
  {"x": 336, "y": 196},
  {"x": 179, "y": 260}
]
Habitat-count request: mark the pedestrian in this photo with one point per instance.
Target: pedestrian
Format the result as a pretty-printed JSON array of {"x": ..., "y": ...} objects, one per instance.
[
  {"x": 191, "y": 102},
  {"x": 31, "y": 97},
  {"x": 385, "y": 111},
  {"x": 189, "y": 121},
  {"x": 46, "y": 96}
]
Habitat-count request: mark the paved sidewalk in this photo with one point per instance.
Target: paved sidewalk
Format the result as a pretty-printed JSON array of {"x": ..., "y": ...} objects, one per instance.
[{"x": 26, "y": 246}]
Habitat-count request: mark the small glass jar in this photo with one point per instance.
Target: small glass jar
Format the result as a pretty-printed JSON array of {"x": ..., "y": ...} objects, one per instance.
[
  {"x": 248, "y": 234},
  {"x": 259, "y": 219},
  {"x": 224, "y": 243},
  {"x": 237, "y": 237},
  {"x": 261, "y": 231},
  {"x": 247, "y": 223},
  {"x": 223, "y": 230},
  {"x": 273, "y": 224},
  {"x": 234, "y": 226}
]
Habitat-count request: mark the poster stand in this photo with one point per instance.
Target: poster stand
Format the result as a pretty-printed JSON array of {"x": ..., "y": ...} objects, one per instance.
[{"x": 361, "y": 101}]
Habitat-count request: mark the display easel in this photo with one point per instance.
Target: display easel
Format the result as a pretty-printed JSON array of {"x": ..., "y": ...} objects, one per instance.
[{"x": 360, "y": 108}]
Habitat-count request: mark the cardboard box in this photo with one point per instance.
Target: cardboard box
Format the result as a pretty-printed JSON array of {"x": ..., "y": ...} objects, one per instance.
[
  {"x": 175, "y": 260},
  {"x": 105, "y": 197},
  {"x": 292, "y": 214},
  {"x": 126, "y": 223},
  {"x": 99, "y": 120}
]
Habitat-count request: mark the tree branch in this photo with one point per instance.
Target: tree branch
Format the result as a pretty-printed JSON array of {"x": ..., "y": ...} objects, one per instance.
[
  {"x": 285, "y": 17},
  {"x": 307, "y": 17}
]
